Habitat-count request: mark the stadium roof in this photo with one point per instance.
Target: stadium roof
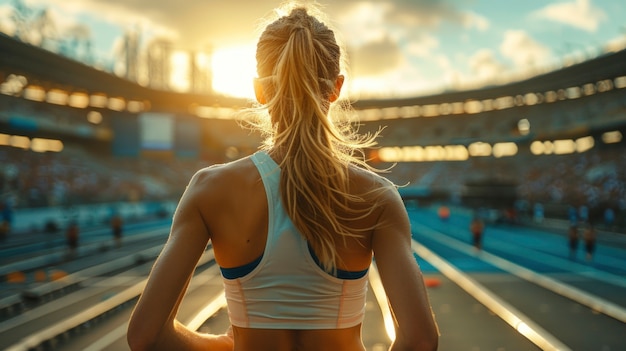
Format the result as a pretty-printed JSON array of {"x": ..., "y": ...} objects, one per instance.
[
  {"x": 52, "y": 70},
  {"x": 608, "y": 66}
]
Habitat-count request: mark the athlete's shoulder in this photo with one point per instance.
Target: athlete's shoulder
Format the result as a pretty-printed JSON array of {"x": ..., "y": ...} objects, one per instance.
[
  {"x": 370, "y": 178},
  {"x": 219, "y": 177}
]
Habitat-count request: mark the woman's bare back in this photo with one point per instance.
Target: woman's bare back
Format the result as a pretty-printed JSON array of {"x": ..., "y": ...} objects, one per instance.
[
  {"x": 348, "y": 339},
  {"x": 237, "y": 214}
]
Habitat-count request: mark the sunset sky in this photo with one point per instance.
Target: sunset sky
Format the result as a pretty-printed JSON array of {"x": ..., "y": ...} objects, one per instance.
[{"x": 396, "y": 48}]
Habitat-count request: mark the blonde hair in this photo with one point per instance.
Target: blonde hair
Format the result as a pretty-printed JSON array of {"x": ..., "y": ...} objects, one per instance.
[{"x": 298, "y": 62}]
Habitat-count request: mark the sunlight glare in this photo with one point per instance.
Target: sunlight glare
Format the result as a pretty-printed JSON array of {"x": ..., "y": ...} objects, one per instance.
[
  {"x": 234, "y": 69},
  {"x": 179, "y": 75}
]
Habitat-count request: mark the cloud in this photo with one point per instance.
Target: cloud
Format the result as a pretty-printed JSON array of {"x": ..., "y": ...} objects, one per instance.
[
  {"x": 427, "y": 14},
  {"x": 376, "y": 58},
  {"x": 422, "y": 46},
  {"x": 363, "y": 22},
  {"x": 191, "y": 24},
  {"x": 523, "y": 50},
  {"x": 484, "y": 65},
  {"x": 579, "y": 14},
  {"x": 394, "y": 43},
  {"x": 6, "y": 26},
  {"x": 473, "y": 20},
  {"x": 383, "y": 35}
]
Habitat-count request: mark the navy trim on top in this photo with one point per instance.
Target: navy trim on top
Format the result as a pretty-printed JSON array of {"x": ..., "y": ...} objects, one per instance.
[
  {"x": 238, "y": 272},
  {"x": 241, "y": 271},
  {"x": 341, "y": 274}
]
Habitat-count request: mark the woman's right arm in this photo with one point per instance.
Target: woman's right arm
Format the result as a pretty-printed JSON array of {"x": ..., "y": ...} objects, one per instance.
[
  {"x": 416, "y": 328},
  {"x": 153, "y": 324}
]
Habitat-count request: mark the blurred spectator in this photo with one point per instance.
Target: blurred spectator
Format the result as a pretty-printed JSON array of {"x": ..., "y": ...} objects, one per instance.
[
  {"x": 116, "y": 228},
  {"x": 609, "y": 217},
  {"x": 538, "y": 213},
  {"x": 589, "y": 237},
  {"x": 71, "y": 236},
  {"x": 583, "y": 213},
  {"x": 6, "y": 217},
  {"x": 572, "y": 216},
  {"x": 573, "y": 240},
  {"x": 477, "y": 228}
]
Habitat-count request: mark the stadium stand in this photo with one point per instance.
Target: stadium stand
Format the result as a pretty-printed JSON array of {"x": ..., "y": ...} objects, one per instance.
[{"x": 99, "y": 163}]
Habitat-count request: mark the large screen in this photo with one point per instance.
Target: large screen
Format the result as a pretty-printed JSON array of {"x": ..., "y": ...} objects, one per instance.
[{"x": 156, "y": 131}]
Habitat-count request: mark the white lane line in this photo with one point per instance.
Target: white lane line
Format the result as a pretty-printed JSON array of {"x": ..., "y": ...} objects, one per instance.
[
  {"x": 205, "y": 313},
  {"x": 381, "y": 297},
  {"x": 515, "y": 318},
  {"x": 108, "y": 339},
  {"x": 561, "y": 263},
  {"x": 566, "y": 265},
  {"x": 219, "y": 302},
  {"x": 35, "y": 339},
  {"x": 57, "y": 305},
  {"x": 120, "y": 332},
  {"x": 594, "y": 302},
  {"x": 201, "y": 280}
]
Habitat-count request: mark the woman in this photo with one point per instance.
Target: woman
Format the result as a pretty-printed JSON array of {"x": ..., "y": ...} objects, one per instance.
[{"x": 294, "y": 226}]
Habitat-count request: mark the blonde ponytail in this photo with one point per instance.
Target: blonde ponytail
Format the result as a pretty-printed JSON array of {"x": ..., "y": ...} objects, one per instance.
[{"x": 298, "y": 62}]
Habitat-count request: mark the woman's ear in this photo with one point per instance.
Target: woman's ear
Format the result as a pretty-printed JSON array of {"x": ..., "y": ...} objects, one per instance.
[
  {"x": 258, "y": 91},
  {"x": 338, "y": 84}
]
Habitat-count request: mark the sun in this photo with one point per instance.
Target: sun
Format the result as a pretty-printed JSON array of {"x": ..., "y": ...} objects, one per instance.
[{"x": 233, "y": 70}]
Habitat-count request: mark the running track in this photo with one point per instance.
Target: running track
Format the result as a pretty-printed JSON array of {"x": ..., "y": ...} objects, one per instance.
[{"x": 521, "y": 292}]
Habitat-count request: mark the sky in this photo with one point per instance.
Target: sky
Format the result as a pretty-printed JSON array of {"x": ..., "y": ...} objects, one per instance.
[{"x": 396, "y": 48}]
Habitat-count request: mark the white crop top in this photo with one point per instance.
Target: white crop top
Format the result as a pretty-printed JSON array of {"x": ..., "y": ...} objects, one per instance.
[{"x": 286, "y": 288}]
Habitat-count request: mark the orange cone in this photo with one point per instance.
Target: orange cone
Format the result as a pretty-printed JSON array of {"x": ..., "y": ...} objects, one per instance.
[
  {"x": 56, "y": 275},
  {"x": 16, "y": 277},
  {"x": 40, "y": 276},
  {"x": 432, "y": 282}
]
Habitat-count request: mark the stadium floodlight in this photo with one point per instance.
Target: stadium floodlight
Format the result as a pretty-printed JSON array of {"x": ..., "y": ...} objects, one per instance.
[
  {"x": 116, "y": 104},
  {"x": 20, "y": 142},
  {"x": 134, "y": 106},
  {"x": 34, "y": 93},
  {"x": 504, "y": 149},
  {"x": 551, "y": 96},
  {"x": 98, "y": 100},
  {"x": 473, "y": 107},
  {"x": 78, "y": 100},
  {"x": 620, "y": 82},
  {"x": 589, "y": 89},
  {"x": 537, "y": 148},
  {"x": 573, "y": 92},
  {"x": 479, "y": 149},
  {"x": 94, "y": 117},
  {"x": 431, "y": 110},
  {"x": 564, "y": 146},
  {"x": 504, "y": 102},
  {"x": 57, "y": 97},
  {"x": 584, "y": 144},
  {"x": 46, "y": 145},
  {"x": 612, "y": 137},
  {"x": 4, "y": 139},
  {"x": 523, "y": 126}
]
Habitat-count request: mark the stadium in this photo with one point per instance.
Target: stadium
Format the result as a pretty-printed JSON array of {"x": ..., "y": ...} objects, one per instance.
[{"x": 81, "y": 145}]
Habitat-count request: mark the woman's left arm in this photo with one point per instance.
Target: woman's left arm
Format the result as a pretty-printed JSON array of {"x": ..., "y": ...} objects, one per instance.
[{"x": 153, "y": 324}]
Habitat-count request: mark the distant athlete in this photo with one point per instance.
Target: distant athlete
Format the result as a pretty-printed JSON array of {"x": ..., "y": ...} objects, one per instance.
[
  {"x": 477, "y": 227},
  {"x": 116, "y": 228},
  {"x": 589, "y": 236},
  {"x": 71, "y": 236},
  {"x": 573, "y": 240}
]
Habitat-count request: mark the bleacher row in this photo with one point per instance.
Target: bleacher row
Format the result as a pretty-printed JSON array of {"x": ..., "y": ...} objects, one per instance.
[{"x": 596, "y": 178}]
